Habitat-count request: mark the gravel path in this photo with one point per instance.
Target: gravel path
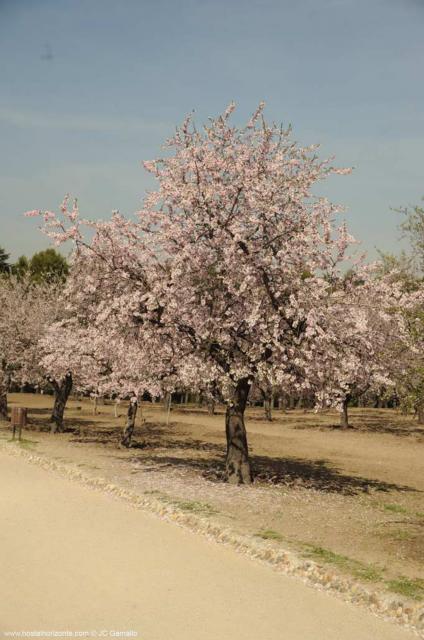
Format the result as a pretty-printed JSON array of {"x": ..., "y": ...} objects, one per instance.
[{"x": 76, "y": 560}]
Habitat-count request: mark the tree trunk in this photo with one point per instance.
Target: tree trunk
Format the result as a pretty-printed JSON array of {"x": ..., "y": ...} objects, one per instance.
[
  {"x": 283, "y": 403},
  {"x": 130, "y": 425},
  {"x": 237, "y": 463},
  {"x": 344, "y": 418},
  {"x": 268, "y": 408},
  {"x": 4, "y": 388},
  {"x": 3, "y": 403},
  {"x": 61, "y": 395},
  {"x": 168, "y": 412},
  {"x": 211, "y": 407},
  {"x": 420, "y": 413}
]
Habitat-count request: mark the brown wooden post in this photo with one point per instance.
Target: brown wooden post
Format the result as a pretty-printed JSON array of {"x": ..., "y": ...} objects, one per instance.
[{"x": 19, "y": 420}]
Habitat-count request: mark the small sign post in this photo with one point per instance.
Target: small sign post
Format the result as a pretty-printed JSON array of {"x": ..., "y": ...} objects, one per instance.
[{"x": 19, "y": 420}]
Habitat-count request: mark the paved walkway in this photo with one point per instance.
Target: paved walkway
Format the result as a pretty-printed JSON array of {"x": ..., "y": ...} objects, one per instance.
[{"x": 72, "y": 559}]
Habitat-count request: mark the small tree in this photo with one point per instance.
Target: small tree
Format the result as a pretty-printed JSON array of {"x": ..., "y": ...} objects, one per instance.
[
  {"x": 407, "y": 271},
  {"x": 407, "y": 364},
  {"x": 27, "y": 308},
  {"x": 95, "y": 348},
  {"x": 4, "y": 257},
  {"x": 21, "y": 267},
  {"x": 366, "y": 332},
  {"x": 412, "y": 228},
  {"x": 48, "y": 265}
]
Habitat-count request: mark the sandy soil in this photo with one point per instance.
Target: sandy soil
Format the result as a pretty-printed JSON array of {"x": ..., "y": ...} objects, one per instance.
[
  {"x": 352, "y": 499},
  {"x": 73, "y": 559}
]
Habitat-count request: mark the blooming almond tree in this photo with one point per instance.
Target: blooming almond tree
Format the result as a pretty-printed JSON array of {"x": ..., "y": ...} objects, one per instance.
[
  {"x": 26, "y": 310},
  {"x": 228, "y": 266},
  {"x": 367, "y": 330},
  {"x": 100, "y": 339},
  {"x": 247, "y": 246},
  {"x": 103, "y": 363}
]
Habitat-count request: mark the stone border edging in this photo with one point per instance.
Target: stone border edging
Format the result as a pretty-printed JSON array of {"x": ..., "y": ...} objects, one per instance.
[{"x": 401, "y": 611}]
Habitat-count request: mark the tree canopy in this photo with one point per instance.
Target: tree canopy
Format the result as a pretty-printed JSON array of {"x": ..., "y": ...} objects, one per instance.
[
  {"x": 4, "y": 257},
  {"x": 45, "y": 266}
]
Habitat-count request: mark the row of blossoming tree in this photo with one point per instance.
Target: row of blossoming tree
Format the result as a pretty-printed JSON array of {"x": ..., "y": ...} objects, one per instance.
[{"x": 234, "y": 275}]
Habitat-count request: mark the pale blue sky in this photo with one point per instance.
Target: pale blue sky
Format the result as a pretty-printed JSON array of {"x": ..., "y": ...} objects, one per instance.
[{"x": 90, "y": 88}]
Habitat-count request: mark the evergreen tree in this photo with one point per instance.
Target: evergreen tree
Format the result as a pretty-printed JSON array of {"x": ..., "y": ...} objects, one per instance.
[
  {"x": 48, "y": 265},
  {"x": 4, "y": 257}
]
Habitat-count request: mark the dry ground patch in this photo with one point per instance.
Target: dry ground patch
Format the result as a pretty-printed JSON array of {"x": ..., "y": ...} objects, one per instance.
[{"x": 353, "y": 500}]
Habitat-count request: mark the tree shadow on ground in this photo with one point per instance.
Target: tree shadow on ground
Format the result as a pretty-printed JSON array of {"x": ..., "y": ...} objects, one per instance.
[
  {"x": 39, "y": 411},
  {"x": 287, "y": 472},
  {"x": 317, "y": 474},
  {"x": 201, "y": 411},
  {"x": 91, "y": 432},
  {"x": 150, "y": 435},
  {"x": 210, "y": 468},
  {"x": 38, "y": 424},
  {"x": 371, "y": 423},
  {"x": 160, "y": 436},
  {"x": 157, "y": 437},
  {"x": 160, "y": 449},
  {"x": 71, "y": 425}
]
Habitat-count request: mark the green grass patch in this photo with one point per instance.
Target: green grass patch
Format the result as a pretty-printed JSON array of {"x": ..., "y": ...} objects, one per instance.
[
  {"x": 269, "y": 534},
  {"x": 84, "y": 464},
  {"x": 394, "y": 535},
  {"x": 408, "y": 587},
  {"x": 24, "y": 443},
  {"x": 360, "y": 570},
  {"x": 395, "y": 508},
  {"x": 400, "y": 535},
  {"x": 192, "y": 506}
]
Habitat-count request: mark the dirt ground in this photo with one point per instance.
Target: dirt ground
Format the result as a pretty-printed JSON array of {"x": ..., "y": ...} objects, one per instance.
[{"x": 351, "y": 499}]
